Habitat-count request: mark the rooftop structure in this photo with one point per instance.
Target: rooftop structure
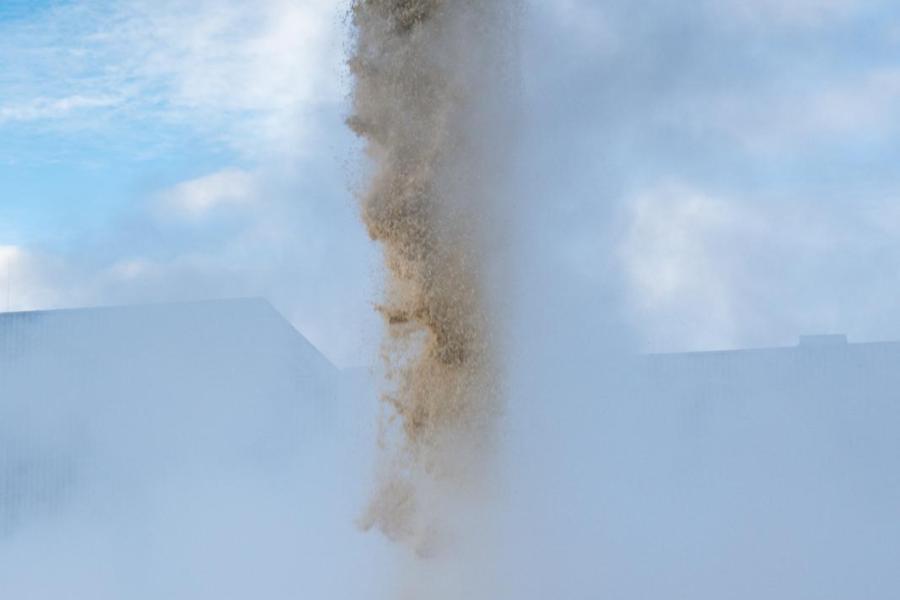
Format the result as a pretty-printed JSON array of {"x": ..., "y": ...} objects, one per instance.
[{"x": 145, "y": 391}]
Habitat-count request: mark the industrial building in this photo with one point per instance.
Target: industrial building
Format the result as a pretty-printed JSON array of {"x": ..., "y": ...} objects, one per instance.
[
  {"x": 148, "y": 450},
  {"x": 145, "y": 391}
]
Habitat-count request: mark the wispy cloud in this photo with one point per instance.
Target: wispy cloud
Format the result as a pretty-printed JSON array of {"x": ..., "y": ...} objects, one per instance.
[
  {"x": 792, "y": 13},
  {"x": 682, "y": 285},
  {"x": 26, "y": 280},
  {"x": 708, "y": 270},
  {"x": 39, "y": 109},
  {"x": 858, "y": 108},
  {"x": 247, "y": 75},
  {"x": 199, "y": 198}
]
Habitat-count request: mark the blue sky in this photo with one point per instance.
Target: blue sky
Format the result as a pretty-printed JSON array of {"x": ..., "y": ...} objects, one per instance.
[{"x": 722, "y": 173}]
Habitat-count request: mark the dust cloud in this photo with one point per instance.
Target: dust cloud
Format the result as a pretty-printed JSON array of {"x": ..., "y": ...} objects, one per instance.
[{"x": 428, "y": 82}]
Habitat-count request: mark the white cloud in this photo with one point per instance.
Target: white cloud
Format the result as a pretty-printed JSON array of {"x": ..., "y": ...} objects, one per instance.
[
  {"x": 706, "y": 271},
  {"x": 248, "y": 74},
  {"x": 133, "y": 269},
  {"x": 795, "y": 13},
  {"x": 267, "y": 61},
  {"x": 231, "y": 233},
  {"x": 786, "y": 119},
  {"x": 867, "y": 104},
  {"x": 585, "y": 23},
  {"x": 199, "y": 198},
  {"x": 26, "y": 282},
  {"x": 681, "y": 285},
  {"x": 47, "y": 108}
]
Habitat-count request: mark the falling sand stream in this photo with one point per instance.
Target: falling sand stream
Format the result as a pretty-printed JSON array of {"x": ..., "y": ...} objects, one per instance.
[{"x": 426, "y": 73}]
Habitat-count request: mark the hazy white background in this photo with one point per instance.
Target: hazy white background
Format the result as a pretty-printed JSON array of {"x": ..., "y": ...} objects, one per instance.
[{"x": 699, "y": 175}]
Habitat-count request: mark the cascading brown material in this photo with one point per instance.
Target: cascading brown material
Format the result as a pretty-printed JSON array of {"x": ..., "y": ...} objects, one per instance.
[{"x": 419, "y": 68}]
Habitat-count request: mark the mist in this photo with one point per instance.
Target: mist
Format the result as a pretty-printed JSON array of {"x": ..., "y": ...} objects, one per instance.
[
  {"x": 160, "y": 450},
  {"x": 679, "y": 193}
]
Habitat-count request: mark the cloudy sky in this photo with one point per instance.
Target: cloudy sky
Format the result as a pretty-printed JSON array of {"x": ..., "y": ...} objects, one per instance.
[{"x": 714, "y": 175}]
